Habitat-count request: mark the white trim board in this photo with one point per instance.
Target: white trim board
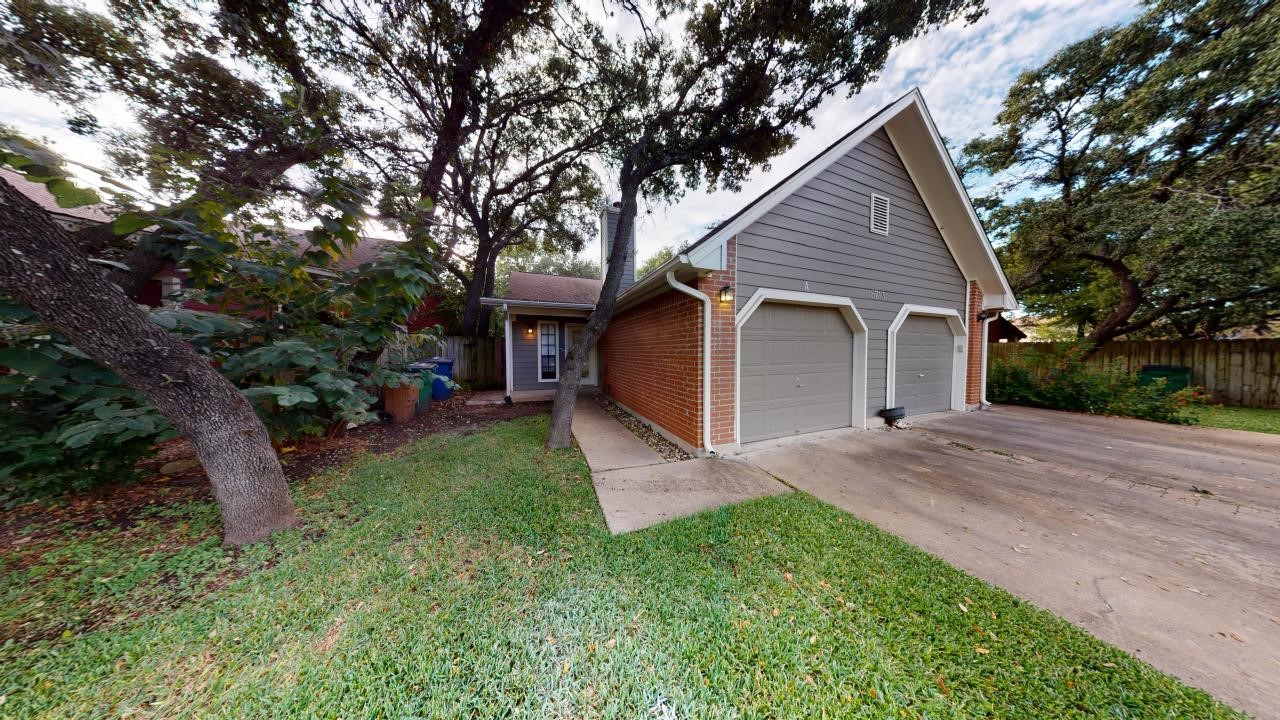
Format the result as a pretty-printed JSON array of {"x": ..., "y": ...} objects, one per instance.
[
  {"x": 960, "y": 345},
  {"x": 510, "y": 372},
  {"x": 851, "y": 317}
]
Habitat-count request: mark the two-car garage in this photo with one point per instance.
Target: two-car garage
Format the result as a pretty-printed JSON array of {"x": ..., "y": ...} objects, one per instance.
[{"x": 802, "y": 364}]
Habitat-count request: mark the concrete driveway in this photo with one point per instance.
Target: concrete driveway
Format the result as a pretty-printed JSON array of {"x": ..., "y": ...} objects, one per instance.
[{"x": 1162, "y": 540}]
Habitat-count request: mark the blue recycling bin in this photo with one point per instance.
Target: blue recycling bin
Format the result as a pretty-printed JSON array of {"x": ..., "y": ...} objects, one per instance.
[{"x": 441, "y": 386}]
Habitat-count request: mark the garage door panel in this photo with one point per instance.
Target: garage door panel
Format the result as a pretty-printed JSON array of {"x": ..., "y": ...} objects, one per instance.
[
  {"x": 923, "y": 358},
  {"x": 802, "y": 379}
]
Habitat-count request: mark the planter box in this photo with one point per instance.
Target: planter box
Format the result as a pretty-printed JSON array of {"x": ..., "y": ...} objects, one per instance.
[{"x": 401, "y": 401}]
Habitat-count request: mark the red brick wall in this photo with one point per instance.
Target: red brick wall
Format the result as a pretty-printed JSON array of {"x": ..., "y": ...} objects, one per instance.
[
  {"x": 724, "y": 346},
  {"x": 651, "y": 358},
  {"x": 976, "y": 339},
  {"x": 651, "y": 361}
]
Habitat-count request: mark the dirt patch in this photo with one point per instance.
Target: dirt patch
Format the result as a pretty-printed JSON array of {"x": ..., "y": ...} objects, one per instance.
[
  {"x": 121, "y": 506},
  {"x": 664, "y": 447}
]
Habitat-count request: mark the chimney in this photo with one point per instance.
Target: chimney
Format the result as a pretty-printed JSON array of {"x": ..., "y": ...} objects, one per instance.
[{"x": 608, "y": 225}]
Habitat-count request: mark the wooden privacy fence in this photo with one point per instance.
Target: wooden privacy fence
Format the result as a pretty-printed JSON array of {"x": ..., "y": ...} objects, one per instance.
[
  {"x": 1244, "y": 373},
  {"x": 477, "y": 361}
]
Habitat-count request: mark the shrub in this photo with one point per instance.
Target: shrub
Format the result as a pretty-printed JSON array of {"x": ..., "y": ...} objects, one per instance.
[
  {"x": 1059, "y": 378},
  {"x": 67, "y": 423}
]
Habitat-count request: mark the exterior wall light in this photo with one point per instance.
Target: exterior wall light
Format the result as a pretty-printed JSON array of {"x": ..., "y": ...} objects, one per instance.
[
  {"x": 528, "y": 330},
  {"x": 726, "y": 294}
]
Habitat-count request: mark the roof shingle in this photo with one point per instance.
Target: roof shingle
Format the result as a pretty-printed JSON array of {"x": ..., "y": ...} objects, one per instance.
[{"x": 536, "y": 287}]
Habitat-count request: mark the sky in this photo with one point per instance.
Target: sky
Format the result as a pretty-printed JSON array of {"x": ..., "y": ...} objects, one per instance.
[{"x": 963, "y": 72}]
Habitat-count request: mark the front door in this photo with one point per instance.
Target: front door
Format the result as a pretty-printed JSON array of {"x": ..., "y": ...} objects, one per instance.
[{"x": 588, "y": 372}]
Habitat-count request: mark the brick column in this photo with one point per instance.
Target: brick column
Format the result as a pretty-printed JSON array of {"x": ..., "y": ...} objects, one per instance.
[
  {"x": 724, "y": 346},
  {"x": 977, "y": 341}
]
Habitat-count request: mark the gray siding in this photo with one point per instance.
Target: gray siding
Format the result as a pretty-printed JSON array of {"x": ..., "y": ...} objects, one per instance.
[
  {"x": 610, "y": 220},
  {"x": 819, "y": 236},
  {"x": 524, "y": 349}
]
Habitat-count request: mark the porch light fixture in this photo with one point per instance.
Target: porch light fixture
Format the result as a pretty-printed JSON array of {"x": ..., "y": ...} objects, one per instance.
[
  {"x": 528, "y": 330},
  {"x": 726, "y": 294}
]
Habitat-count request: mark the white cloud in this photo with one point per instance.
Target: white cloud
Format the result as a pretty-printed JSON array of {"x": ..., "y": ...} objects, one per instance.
[{"x": 963, "y": 71}]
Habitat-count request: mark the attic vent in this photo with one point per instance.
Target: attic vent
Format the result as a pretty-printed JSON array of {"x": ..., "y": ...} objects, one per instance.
[{"x": 879, "y": 214}]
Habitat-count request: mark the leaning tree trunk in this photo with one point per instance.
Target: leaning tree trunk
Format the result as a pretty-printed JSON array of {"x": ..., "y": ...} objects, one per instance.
[
  {"x": 571, "y": 374},
  {"x": 41, "y": 267}
]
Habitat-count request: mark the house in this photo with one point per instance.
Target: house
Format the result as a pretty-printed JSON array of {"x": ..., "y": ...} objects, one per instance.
[
  {"x": 168, "y": 281},
  {"x": 1001, "y": 330},
  {"x": 862, "y": 281},
  {"x": 70, "y": 219}
]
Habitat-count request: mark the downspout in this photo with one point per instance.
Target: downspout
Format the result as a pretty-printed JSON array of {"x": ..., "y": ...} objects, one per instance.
[
  {"x": 508, "y": 350},
  {"x": 982, "y": 385},
  {"x": 706, "y": 356}
]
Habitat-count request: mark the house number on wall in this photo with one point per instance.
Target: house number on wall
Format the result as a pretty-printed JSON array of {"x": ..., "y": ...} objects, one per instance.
[{"x": 876, "y": 294}]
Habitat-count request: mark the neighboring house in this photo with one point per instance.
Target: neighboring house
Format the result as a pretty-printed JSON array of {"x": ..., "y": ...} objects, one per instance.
[
  {"x": 1001, "y": 330},
  {"x": 169, "y": 281},
  {"x": 69, "y": 218},
  {"x": 862, "y": 281}
]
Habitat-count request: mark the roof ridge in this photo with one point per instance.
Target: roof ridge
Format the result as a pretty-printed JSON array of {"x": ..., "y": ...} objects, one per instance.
[{"x": 555, "y": 275}]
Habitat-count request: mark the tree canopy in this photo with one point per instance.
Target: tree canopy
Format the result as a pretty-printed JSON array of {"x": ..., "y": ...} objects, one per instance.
[
  {"x": 655, "y": 261},
  {"x": 1137, "y": 187}
]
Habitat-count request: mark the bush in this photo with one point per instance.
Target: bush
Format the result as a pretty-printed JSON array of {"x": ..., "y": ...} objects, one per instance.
[
  {"x": 67, "y": 423},
  {"x": 1060, "y": 379}
]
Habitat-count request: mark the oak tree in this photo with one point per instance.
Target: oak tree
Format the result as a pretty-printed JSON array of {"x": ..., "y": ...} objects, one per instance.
[{"x": 1137, "y": 189}]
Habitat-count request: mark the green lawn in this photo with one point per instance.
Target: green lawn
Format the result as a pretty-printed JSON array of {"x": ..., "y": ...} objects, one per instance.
[
  {"x": 1239, "y": 418},
  {"x": 472, "y": 577}
]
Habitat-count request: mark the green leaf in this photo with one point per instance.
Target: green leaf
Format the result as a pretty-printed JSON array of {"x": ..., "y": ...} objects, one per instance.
[
  {"x": 26, "y": 361},
  {"x": 131, "y": 222}
]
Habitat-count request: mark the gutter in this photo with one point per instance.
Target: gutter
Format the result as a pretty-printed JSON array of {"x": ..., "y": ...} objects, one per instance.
[
  {"x": 706, "y": 355},
  {"x": 536, "y": 303}
]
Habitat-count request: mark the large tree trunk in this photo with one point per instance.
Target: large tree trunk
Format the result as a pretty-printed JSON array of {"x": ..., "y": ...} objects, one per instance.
[
  {"x": 41, "y": 267},
  {"x": 485, "y": 323},
  {"x": 481, "y": 278},
  {"x": 480, "y": 46},
  {"x": 559, "y": 434}
]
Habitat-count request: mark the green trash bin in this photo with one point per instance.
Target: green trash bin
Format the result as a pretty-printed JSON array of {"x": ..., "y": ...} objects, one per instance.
[
  {"x": 1176, "y": 377},
  {"x": 425, "y": 369}
]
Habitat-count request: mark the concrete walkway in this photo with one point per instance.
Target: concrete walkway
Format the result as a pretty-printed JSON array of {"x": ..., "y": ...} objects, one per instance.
[
  {"x": 638, "y": 488},
  {"x": 606, "y": 443}
]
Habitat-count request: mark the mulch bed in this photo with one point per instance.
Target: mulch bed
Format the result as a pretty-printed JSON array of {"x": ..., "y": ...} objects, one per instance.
[
  {"x": 119, "y": 505},
  {"x": 664, "y": 447}
]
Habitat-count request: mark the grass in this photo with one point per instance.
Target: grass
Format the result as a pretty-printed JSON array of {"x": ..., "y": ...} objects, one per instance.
[
  {"x": 472, "y": 576},
  {"x": 1263, "y": 420}
]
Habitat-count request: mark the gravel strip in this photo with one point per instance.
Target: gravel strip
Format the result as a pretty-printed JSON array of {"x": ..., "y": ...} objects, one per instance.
[{"x": 664, "y": 447}]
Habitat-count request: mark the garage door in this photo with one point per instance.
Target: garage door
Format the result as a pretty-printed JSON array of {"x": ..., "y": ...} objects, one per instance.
[
  {"x": 922, "y": 383},
  {"x": 797, "y": 371}
]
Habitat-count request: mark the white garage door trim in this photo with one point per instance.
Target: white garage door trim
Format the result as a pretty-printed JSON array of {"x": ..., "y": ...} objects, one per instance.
[
  {"x": 851, "y": 317},
  {"x": 958, "y": 365}
]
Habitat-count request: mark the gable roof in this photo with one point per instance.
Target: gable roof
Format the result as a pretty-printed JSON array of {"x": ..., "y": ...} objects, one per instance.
[
  {"x": 540, "y": 288},
  {"x": 915, "y": 137}
]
